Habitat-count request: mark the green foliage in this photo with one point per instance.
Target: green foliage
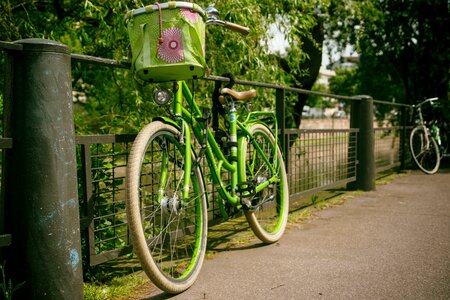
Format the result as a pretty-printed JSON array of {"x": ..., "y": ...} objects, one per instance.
[
  {"x": 109, "y": 216},
  {"x": 86, "y": 26},
  {"x": 6, "y": 285},
  {"x": 403, "y": 47},
  {"x": 346, "y": 82},
  {"x": 1, "y": 113},
  {"x": 96, "y": 28},
  {"x": 392, "y": 37},
  {"x": 319, "y": 101},
  {"x": 110, "y": 223},
  {"x": 356, "y": 81},
  {"x": 106, "y": 204}
]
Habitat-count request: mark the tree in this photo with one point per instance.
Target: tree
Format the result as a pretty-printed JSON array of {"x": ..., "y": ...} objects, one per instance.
[
  {"x": 403, "y": 41},
  {"x": 346, "y": 82},
  {"x": 304, "y": 76},
  {"x": 305, "y": 27},
  {"x": 96, "y": 28}
]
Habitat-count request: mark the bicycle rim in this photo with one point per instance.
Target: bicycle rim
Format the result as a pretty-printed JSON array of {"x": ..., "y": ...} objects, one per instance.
[
  {"x": 169, "y": 235},
  {"x": 425, "y": 154},
  {"x": 270, "y": 207}
]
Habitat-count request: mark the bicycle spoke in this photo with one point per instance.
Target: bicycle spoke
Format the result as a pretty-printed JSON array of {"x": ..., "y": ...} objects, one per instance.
[
  {"x": 173, "y": 228},
  {"x": 268, "y": 213}
]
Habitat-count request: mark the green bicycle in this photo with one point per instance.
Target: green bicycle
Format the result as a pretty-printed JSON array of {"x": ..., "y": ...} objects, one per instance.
[{"x": 166, "y": 194}]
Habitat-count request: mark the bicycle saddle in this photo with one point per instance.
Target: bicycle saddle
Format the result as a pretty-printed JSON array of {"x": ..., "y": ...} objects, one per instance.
[{"x": 240, "y": 96}]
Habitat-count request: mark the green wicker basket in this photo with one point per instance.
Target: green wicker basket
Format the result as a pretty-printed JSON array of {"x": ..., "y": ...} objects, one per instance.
[{"x": 167, "y": 41}]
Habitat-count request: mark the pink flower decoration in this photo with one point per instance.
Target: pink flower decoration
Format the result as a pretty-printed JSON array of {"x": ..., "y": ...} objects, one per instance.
[
  {"x": 171, "y": 48},
  {"x": 190, "y": 15}
]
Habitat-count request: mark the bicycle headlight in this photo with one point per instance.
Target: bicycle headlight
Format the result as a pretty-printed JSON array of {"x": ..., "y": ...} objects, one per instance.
[{"x": 162, "y": 95}]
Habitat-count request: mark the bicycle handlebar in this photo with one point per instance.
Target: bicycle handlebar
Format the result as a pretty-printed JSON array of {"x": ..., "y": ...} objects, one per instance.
[
  {"x": 213, "y": 19},
  {"x": 211, "y": 13},
  {"x": 232, "y": 26},
  {"x": 238, "y": 28},
  {"x": 431, "y": 100}
]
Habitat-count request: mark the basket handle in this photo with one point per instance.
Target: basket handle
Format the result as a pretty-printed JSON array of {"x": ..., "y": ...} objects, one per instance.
[{"x": 161, "y": 39}]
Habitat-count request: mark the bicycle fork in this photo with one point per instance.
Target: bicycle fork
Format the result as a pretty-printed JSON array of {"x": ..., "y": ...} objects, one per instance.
[
  {"x": 427, "y": 138},
  {"x": 173, "y": 203}
]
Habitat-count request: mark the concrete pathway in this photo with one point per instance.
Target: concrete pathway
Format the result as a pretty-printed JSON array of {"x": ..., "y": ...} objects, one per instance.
[{"x": 393, "y": 243}]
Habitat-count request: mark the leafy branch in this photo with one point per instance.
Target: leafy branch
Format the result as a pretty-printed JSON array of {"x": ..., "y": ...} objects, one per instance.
[{"x": 6, "y": 285}]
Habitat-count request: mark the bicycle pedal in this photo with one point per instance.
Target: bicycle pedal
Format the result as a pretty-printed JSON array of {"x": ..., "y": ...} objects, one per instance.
[{"x": 246, "y": 189}]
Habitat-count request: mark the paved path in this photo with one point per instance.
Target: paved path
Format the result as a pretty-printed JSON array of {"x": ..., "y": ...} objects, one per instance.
[{"x": 393, "y": 243}]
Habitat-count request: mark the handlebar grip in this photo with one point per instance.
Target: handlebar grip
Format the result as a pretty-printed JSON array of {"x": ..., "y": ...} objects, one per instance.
[{"x": 235, "y": 27}]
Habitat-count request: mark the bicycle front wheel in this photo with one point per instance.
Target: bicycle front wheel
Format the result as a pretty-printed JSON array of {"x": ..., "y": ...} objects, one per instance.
[
  {"x": 270, "y": 207},
  {"x": 168, "y": 233},
  {"x": 424, "y": 151}
]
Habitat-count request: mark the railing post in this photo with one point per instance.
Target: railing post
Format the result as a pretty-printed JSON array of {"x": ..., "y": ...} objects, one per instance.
[
  {"x": 7, "y": 99},
  {"x": 361, "y": 117},
  {"x": 280, "y": 108},
  {"x": 41, "y": 185},
  {"x": 403, "y": 138}
]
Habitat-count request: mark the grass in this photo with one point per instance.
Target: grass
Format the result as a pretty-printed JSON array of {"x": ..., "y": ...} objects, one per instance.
[
  {"x": 111, "y": 282},
  {"x": 117, "y": 288}
]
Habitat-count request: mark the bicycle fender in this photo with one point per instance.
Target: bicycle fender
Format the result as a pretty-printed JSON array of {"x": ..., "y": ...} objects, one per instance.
[{"x": 167, "y": 121}]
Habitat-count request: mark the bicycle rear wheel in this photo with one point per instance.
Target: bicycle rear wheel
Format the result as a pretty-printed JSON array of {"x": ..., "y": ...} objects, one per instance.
[
  {"x": 424, "y": 151},
  {"x": 270, "y": 207},
  {"x": 168, "y": 234}
]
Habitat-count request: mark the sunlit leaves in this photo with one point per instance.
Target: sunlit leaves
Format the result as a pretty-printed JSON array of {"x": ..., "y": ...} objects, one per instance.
[{"x": 96, "y": 27}]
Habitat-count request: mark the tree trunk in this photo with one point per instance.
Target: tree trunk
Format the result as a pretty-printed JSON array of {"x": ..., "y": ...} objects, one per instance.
[{"x": 313, "y": 49}]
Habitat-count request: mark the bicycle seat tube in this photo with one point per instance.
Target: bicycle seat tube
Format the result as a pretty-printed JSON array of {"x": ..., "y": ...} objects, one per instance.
[{"x": 233, "y": 143}]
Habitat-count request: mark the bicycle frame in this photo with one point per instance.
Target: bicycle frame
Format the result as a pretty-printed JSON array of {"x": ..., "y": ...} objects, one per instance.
[
  {"x": 186, "y": 118},
  {"x": 425, "y": 128},
  {"x": 434, "y": 134}
]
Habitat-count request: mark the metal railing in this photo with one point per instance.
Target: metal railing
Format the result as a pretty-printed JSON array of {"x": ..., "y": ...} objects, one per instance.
[
  {"x": 387, "y": 148},
  {"x": 319, "y": 159},
  {"x": 315, "y": 159},
  {"x": 101, "y": 165}
]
